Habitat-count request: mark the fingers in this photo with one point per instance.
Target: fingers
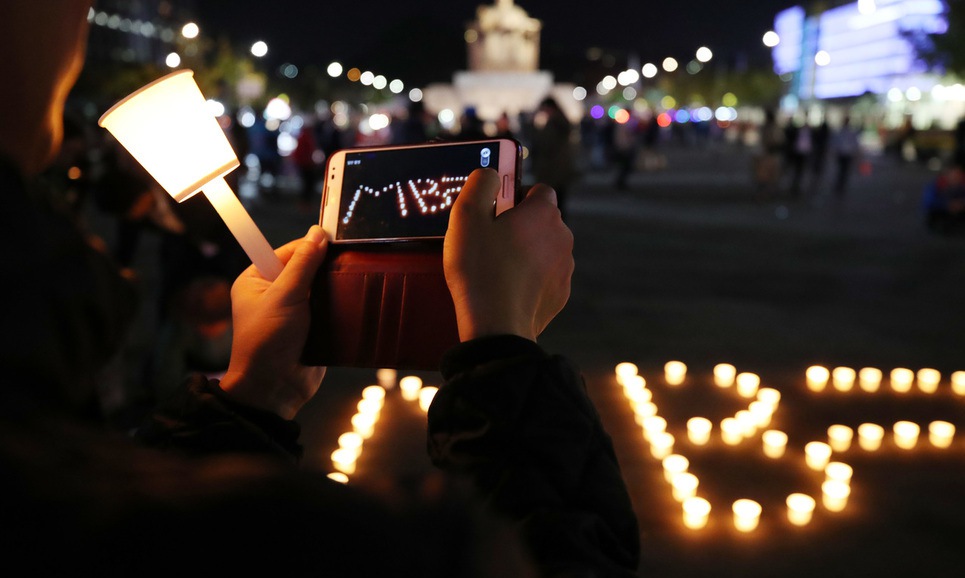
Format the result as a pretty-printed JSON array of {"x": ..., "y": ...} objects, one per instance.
[
  {"x": 542, "y": 192},
  {"x": 478, "y": 194}
]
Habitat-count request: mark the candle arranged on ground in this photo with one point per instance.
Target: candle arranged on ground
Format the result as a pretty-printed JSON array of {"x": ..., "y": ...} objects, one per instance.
[
  {"x": 675, "y": 372},
  {"x": 906, "y": 434},
  {"x": 410, "y": 386},
  {"x": 958, "y": 383},
  {"x": 839, "y": 472},
  {"x": 839, "y": 437},
  {"x": 724, "y": 374},
  {"x": 674, "y": 464},
  {"x": 834, "y": 495},
  {"x": 747, "y": 384},
  {"x": 800, "y": 509},
  {"x": 817, "y": 455},
  {"x": 624, "y": 370},
  {"x": 684, "y": 486},
  {"x": 869, "y": 379},
  {"x": 775, "y": 443},
  {"x": 928, "y": 379},
  {"x": 902, "y": 379},
  {"x": 696, "y": 512},
  {"x": 698, "y": 430},
  {"x": 842, "y": 378},
  {"x": 941, "y": 433},
  {"x": 747, "y": 514},
  {"x": 870, "y": 436},
  {"x": 817, "y": 377}
]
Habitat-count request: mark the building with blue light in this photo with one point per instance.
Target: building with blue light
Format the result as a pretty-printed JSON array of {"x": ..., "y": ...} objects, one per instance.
[{"x": 835, "y": 54}]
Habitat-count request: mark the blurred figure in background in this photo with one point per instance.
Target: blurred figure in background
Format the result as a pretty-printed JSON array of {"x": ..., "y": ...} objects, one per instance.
[
  {"x": 626, "y": 141},
  {"x": 847, "y": 147},
  {"x": 306, "y": 158},
  {"x": 552, "y": 153},
  {"x": 767, "y": 159}
]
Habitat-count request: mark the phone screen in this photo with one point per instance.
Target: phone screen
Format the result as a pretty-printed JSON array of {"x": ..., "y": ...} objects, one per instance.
[{"x": 406, "y": 192}]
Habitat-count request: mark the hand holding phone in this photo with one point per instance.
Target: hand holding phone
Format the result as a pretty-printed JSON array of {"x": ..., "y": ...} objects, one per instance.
[
  {"x": 404, "y": 193},
  {"x": 511, "y": 274}
]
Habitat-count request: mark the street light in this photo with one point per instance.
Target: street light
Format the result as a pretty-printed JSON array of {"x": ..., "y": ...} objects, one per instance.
[
  {"x": 771, "y": 39},
  {"x": 259, "y": 49},
  {"x": 190, "y": 30},
  {"x": 704, "y": 54},
  {"x": 670, "y": 64}
]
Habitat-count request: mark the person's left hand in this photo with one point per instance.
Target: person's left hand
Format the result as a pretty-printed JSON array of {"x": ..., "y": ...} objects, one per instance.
[{"x": 271, "y": 323}]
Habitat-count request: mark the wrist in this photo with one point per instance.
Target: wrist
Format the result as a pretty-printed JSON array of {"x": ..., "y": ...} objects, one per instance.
[{"x": 241, "y": 390}]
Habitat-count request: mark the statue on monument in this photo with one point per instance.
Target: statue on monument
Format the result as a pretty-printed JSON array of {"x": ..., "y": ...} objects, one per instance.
[{"x": 503, "y": 39}]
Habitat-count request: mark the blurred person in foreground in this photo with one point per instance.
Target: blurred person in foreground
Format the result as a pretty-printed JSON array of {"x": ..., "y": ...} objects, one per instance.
[{"x": 210, "y": 482}]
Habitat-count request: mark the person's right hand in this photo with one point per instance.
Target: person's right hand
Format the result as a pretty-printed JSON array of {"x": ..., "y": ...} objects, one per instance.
[{"x": 508, "y": 274}]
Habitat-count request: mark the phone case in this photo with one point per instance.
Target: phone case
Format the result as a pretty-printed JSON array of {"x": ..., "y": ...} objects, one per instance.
[{"x": 381, "y": 305}]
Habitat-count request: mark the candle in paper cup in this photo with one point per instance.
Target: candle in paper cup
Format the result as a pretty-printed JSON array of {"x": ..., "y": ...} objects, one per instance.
[
  {"x": 869, "y": 379},
  {"x": 633, "y": 383},
  {"x": 839, "y": 437},
  {"x": 902, "y": 379},
  {"x": 624, "y": 370},
  {"x": 800, "y": 508},
  {"x": 817, "y": 455},
  {"x": 770, "y": 396},
  {"x": 842, "y": 378},
  {"x": 834, "y": 495},
  {"x": 747, "y": 384},
  {"x": 674, "y": 464},
  {"x": 941, "y": 433},
  {"x": 762, "y": 413},
  {"x": 838, "y": 471},
  {"x": 364, "y": 424},
  {"x": 410, "y": 386},
  {"x": 344, "y": 460},
  {"x": 698, "y": 430},
  {"x": 674, "y": 372},
  {"x": 817, "y": 377},
  {"x": 696, "y": 512},
  {"x": 775, "y": 443},
  {"x": 724, "y": 374},
  {"x": 906, "y": 434},
  {"x": 653, "y": 425},
  {"x": 958, "y": 383},
  {"x": 641, "y": 411},
  {"x": 661, "y": 445},
  {"x": 351, "y": 441},
  {"x": 426, "y": 395},
  {"x": 870, "y": 436},
  {"x": 376, "y": 392},
  {"x": 684, "y": 486},
  {"x": 928, "y": 379},
  {"x": 386, "y": 377},
  {"x": 747, "y": 514},
  {"x": 731, "y": 431}
]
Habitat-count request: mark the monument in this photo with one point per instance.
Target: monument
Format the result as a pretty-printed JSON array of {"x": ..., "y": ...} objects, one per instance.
[{"x": 503, "y": 76}]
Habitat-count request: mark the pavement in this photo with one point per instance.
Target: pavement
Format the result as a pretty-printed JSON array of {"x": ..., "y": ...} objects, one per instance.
[{"x": 687, "y": 264}]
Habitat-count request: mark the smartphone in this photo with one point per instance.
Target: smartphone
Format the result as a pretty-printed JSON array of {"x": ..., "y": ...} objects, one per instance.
[{"x": 402, "y": 193}]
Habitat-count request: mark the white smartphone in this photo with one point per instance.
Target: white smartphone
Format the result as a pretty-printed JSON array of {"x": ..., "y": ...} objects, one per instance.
[{"x": 401, "y": 193}]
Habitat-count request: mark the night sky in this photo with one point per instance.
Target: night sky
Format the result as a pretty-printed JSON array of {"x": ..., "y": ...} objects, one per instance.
[{"x": 422, "y": 41}]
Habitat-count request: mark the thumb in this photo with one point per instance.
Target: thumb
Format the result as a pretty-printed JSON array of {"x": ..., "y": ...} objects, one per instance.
[
  {"x": 309, "y": 252},
  {"x": 477, "y": 196},
  {"x": 542, "y": 192}
]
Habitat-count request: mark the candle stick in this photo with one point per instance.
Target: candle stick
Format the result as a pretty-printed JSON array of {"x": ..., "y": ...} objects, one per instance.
[
  {"x": 747, "y": 514},
  {"x": 168, "y": 129},
  {"x": 724, "y": 374},
  {"x": 800, "y": 508},
  {"x": 870, "y": 436},
  {"x": 869, "y": 379}
]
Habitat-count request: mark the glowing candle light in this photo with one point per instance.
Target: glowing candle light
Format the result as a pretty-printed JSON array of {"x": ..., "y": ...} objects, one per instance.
[
  {"x": 869, "y": 379},
  {"x": 344, "y": 460},
  {"x": 638, "y": 394},
  {"x": 698, "y": 430},
  {"x": 747, "y": 384},
  {"x": 339, "y": 477},
  {"x": 775, "y": 443},
  {"x": 762, "y": 413},
  {"x": 633, "y": 383},
  {"x": 364, "y": 424},
  {"x": 906, "y": 434},
  {"x": 941, "y": 433},
  {"x": 661, "y": 445},
  {"x": 817, "y": 455},
  {"x": 375, "y": 392},
  {"x": 372, "y": 406},
  {"x": 817, "y": 377},
  {"x": 902, "y": 379},
  {"x": 641, "y": 411},
  {"x": 696, "y": 512},
  {"x": 770, "y": 396},
  {"x": 838, "y": 471},
  {"x": 747, "y": 422},
  {"x": 731, "y": 431},
  {"x": 426, "y": 395},
  {"x": 842, "y": 378},
  {"x": 674, "y": 372},
  {"x": 625, "y": 370},
  {"x": 928, "y": 379},
  {"x": 870, "y": 436},
  {"x": 684, "y": 486},
  {"x": 724, "y": 374},
  {"x": 386, "y": 377},
  {"x": 652, "y": 426},
  {"x": 674, "y": 464},
  {"x": 958, "y": 382},
  {"x": 747, "y": 514},
  {"x": 800, "y": 508},
  {"x": 410, "y": 386},
  {"x": 839, "y": 437},
  {"x": 351, "y": 441},
  {"x": 169, "y": 129},
  {"x": 834, "y": 495}
]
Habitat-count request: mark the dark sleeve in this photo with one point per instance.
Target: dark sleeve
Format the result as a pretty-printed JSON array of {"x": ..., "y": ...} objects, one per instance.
[
  {"x": 201, "y": 420},
  {"x": 519, "y": 422}
]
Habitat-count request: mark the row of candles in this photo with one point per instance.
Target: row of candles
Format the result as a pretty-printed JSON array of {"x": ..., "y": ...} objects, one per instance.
[
  {"x": 369, "y": 410},
  {"x": 869, "y": 379},
  {"x": 836, "y": 487}
]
